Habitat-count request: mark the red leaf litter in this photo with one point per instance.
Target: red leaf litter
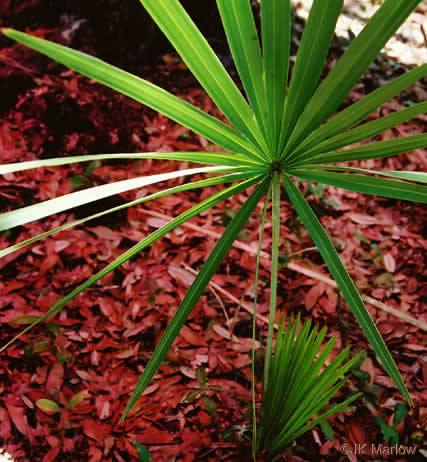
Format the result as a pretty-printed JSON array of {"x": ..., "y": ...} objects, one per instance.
[{"x": 98, "y": 345}]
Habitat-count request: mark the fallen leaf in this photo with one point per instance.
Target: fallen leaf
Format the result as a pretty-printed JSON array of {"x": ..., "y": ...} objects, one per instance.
[
  {"x": 5, "y": 425},
  {"x": 128, "y": 353},
  {"x": 389, "y": 263},
  {"x": 47, "y": 405},
  {"x": 224, "y": 333},
  {"x": 18, "y": 418},
  {"x": 55, "y": 378},
  {"x": 49, "y": 262},
  {"x": 368, "y": 366},
  {"x": 154, "y": 436},
  {"x": 188, "y": 372},
  {"x": 77, "y": 398},
  {"x": 150, "y": 389},
  {"x": 181, "y": 275},
  {"x": 95, "y": 454},
  {"x": 103, "y": 406},
  {"x": 95, "y": 430},
  {"x": 191, "y": 337},
  {"x": 368, "y": 220},
  {"x": 51, "y": 455},
  {"x": 311, "y": 297}
]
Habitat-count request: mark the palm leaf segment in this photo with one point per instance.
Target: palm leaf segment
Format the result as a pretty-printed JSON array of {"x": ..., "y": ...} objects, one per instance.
[
  {"x": 298, "y": 387},
  {"x": 279, "y": 130}
]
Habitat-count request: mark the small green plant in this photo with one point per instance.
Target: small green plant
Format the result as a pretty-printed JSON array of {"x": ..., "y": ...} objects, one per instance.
[
  {"x": 47, "y": 342},
  {"x": 324, "y": 201},
  {"x": 300, "y": 385},
  {"x": 143, "y": 453},
  {"x": 203, "y": 391},
  {"x": 278, "y": 134},
  {"x": 389, "y": 432},
  {"x": 78, "y": 181}
]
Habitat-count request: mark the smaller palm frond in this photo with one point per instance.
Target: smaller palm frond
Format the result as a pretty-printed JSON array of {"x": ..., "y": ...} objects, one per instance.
[{"x": 300, "y": 385}]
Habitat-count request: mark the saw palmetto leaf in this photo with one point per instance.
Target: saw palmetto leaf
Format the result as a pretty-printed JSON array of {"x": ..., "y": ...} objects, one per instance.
[
  {"x": 377, "y": 150},
  {"x": 256, "y": 279},
  {"x": 242, "y": 36},
  {"x": 358, "y": 111},
  {"x": 345, "y": 283},
  {"x": 420, "y": 177},
  {"x": 365, "y": 184},
  {"x": 194, "y": 292},
  {"x": 182, "y": 218},
  {"x": 361, "y": 133},
  {"x": 278, "y": 132},
  {"x": 276, "y": 38},
  {"x": 185, "y": 187},
  {"x": 212, "y": 158},
  {"x": 140, "y": 90},
  {"x": 311, "y": 57},
  {"x": 195, "y": 51},
  {"x": 34, "y": 212},
  {"x": 348, "y": 70},
  {"x": 275, "y": 189},
  {"x": 296, "y": 391}
]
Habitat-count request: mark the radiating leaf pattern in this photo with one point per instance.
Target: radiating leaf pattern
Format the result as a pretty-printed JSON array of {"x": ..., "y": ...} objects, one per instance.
[{"x": 278, "y": 132}]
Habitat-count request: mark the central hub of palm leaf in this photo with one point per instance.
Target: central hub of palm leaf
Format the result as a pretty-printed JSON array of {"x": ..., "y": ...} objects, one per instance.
[{"x": 276, "y": 167}]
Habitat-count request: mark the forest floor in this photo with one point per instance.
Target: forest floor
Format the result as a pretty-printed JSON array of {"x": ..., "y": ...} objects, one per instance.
[
  {"x": 409, "y": 44},
  {"x": 88, "y": 358}
]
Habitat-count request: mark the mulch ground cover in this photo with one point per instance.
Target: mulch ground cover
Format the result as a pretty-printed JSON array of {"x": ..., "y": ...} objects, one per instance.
[{"x": 88, "y": 358}]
